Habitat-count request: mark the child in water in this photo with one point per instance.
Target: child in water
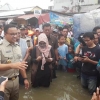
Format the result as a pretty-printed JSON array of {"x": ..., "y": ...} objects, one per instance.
[
  {"x": 62, "y": 51},
  {"x": 70, "y": 59}
]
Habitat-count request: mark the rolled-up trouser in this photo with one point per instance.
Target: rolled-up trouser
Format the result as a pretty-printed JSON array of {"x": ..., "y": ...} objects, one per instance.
[
  {"x": 89, "y": 82},
  {"x": 12, "y": 90}
]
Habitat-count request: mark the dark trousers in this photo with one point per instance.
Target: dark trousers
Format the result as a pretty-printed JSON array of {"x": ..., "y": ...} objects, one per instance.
[
  {"x": 89, "y": 82},
  {"x": 98, "y": 79},
  {"x": 78, "y": 66},
  {"x": 54, "y": 70}
]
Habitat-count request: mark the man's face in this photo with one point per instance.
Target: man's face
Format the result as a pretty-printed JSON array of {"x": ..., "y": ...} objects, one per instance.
[
  {"x": 96, "y": 39},
  {"x": 18, "y": 34},
  {"x": 47, "y": 30},
  {"x": 65, "y": 32},
  {"x": 98, "y": 32},
  {"x": 11, "y": 35},
  {"x": 23, "y": 31},
  {"x": 88, "y": 41},
  {"x": 0, "y": 31}
]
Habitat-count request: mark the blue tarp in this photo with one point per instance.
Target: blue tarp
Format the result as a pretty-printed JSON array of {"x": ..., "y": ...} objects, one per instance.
[
  {"x": 53, "y": 17},
  {"x": 59, "y": 20}
]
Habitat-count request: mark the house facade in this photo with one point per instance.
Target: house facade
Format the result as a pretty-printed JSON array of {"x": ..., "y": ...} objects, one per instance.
[{"x": 74, "y": 5}]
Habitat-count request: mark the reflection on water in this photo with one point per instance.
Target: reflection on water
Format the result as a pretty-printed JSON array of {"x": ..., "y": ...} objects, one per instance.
[{"x": 65, "y": 87}]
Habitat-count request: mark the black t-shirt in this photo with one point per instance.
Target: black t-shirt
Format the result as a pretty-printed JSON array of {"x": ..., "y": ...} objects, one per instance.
[
  {"x": 1, "y": 95},
  {"x": 93, "y": 54}
]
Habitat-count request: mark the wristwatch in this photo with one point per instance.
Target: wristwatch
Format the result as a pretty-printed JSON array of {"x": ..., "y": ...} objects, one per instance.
[{"x": 25, "y": 78}]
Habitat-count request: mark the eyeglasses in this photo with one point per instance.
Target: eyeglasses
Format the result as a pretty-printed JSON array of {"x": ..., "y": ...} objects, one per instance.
[
  {"x": 42, "y": 43},
  {"x": 13, "y": 34},
  {"x": 87, "y": 40}
]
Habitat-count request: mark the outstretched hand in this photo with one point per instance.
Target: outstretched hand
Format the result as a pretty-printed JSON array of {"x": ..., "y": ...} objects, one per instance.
[
  {"x": 96, "y": 95},
  {"x": 19, "y": 65}
]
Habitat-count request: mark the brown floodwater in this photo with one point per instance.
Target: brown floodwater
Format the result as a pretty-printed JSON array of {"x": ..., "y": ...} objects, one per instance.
[{"x": 65, "y": 87}]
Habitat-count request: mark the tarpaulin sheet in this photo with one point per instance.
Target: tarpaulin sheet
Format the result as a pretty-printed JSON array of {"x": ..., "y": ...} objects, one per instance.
[
  {"x": 44, "y": 18},
  {"x": 85, "y": 22},
  {"x": 60, "y": 20},
  {"x": 26, "y": 17}
]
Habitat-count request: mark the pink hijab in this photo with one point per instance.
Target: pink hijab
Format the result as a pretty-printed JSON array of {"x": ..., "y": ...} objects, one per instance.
[{"x": 45, "y": 52}]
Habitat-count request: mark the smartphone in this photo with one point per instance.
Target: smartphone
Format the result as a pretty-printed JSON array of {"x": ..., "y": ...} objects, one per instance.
[
  {"x": 2, "y": 78},
  {"x": 83, "y": 57}
]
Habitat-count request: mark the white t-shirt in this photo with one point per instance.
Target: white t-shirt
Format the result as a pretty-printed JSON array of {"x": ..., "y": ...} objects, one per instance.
[
  {"x": 70, "y": 34},
  {"x": 2, "y": 34}
]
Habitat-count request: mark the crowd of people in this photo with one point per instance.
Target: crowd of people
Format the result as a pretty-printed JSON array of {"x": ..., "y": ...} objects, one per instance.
[{"x": 24, "y": 47}]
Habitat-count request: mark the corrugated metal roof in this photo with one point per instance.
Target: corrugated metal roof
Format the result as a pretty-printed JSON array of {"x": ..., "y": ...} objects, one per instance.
[
  {"x": 17, "y": 12},
  {"x": 26, "y": 17},
  {"x": 1, "y": 17},
  {"x": 11, "y": 13},
  {"x": 6, "y": 7},
  {"x": 43, "y": 18},
  {"x": 28, "y": 8}
]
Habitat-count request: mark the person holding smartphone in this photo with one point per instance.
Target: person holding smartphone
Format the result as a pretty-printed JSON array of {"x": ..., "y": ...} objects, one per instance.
[
  {"x": 42, "y": 58},
  {"x": 90, "y": 58}
]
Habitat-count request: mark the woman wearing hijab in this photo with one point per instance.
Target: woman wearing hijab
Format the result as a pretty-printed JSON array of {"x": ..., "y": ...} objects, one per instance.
[{"x": 42, "y": 58}]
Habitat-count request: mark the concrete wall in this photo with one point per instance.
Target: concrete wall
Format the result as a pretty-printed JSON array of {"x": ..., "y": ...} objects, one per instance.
[{"x": 69, "y": 4}]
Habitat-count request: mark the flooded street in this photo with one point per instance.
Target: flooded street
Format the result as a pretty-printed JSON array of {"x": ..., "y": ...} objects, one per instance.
[{"x": 65, "y": 87}]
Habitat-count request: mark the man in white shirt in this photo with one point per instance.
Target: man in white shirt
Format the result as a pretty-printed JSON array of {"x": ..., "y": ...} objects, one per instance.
[{"x": 70, "y": 34}]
